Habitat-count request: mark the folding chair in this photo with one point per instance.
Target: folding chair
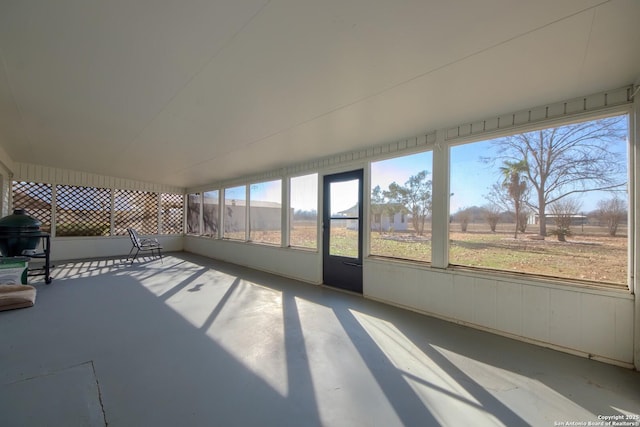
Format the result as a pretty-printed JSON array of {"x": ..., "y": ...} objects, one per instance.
[{"x": 142, "y": 245}]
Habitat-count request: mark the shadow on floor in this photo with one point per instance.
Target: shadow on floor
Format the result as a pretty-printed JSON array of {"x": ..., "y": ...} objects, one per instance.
[{"x": 192, "y": 341}]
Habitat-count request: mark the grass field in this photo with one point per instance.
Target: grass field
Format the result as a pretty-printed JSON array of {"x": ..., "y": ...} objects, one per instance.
[
  {"x": 594, "y": 257},
  {"x": 589, "y": 254}
]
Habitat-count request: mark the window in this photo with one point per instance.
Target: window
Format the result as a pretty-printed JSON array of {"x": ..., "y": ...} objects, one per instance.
[
  {"x": 235, "y": 212},
  {"x": 210, "y": 213},
  {"x": 304, "y": 211},
  {"x": 35, "y": 199},
  {"x": 550, "y": 202},
  {"x": 171, "y": 213},
  {"x": 135, "y": 209},
  {"x": 265, "y": 212},
  {"x": 193, "y": 213},
  {"x": 83, "y": 211},
  {"x": 401, "y": 188}
]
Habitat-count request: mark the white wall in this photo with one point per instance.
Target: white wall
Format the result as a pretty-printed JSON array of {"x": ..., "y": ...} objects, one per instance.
[
  {"x": 634, "y": 189},
  {"x": 36, "y": 173},
  {"x": 593, "y": 323},
  {"x": 68, "y": 248},
  {"x": 6, "y": 176},
  {"x": 297, "y": 264}
]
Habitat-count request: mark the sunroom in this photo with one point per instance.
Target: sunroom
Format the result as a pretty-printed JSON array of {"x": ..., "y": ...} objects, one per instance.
[{"x": 416, "y": 213}]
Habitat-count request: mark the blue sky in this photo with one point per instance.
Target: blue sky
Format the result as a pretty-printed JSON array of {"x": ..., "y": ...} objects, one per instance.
[
  {"x": 471, "y": 178},
  {"x": 400, "y": 169},
  {"x": 468, "y": 184},
  {"x": 235, "y": 193}
]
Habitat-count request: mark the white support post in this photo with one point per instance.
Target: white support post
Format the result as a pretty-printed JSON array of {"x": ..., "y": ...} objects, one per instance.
[
  {"x": 159, "y": 212},
  {"x": 247, "y": 213},
  {"x": 201, "y": 218},
  {"x": 54, "y": 197},
  {"x": 222, "y": 213},
  {"x": 185, "y": 209},
  {"x": 440, "y": 212},
  {"x": 366, "y": 212},
  {"x": 285, "y": 212},
  {"x": 112, "y": 211},
  {"x": 634, "y": 153},
  {"x": 220, "y": 216}
]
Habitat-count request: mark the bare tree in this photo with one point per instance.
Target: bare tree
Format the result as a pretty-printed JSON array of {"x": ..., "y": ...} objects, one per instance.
[
  {"x": 210, "y": 219},
  {"x": 210, "y": 214},
  {"x": 523, "y": 219},
  {"x": 567, "y": 160},
  {"x": 563, "y": 212},
  {"x": 463, "y": 216},
  {"x": 498, "y": 196},
  {"x": 492, "y": 213},
  {"x": 415, "y": 196},
  {"x": 612, "y": 212},
  {"x": 193, "y": 213}
]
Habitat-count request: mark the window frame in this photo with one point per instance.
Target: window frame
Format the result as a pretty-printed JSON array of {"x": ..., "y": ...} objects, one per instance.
[
  {"x": 369, "y": 214},
  {"x": 216, "y": 234},
  {"x": 250, "y": 208},
  {"x": 289, "y": 212},
  {"x": 547, "y": 124},
  {"x": 245, "y": 220},
  {"x": 198, "y": 195}
]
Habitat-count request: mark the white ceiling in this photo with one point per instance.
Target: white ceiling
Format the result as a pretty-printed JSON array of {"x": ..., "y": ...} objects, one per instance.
[{"x": 196, "y": 91}]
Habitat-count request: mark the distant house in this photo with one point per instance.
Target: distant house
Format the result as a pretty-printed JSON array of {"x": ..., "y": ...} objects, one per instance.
[{"x": 380, "y": 221}]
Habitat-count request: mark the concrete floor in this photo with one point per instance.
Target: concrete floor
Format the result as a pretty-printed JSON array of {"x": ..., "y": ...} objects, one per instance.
[{"x": 194, "y": 342}]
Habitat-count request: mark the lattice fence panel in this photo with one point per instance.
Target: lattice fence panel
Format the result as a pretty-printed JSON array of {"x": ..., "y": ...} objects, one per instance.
[
  {"x": 83, "y": 211},
  {"x": 172, "y": 213},
  {"x": 35, "y": 199},
  {"x": 135, "y": 209}
]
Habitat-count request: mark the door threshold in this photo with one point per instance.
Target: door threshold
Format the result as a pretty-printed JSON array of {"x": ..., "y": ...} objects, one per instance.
[{"x": 345, "y": 291}]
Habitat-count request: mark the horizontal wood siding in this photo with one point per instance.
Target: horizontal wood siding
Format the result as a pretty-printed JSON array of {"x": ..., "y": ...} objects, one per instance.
[{"x": 36, "y": 173}]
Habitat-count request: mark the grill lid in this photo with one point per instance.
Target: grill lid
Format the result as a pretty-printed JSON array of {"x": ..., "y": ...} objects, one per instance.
[{"x": 19, "y": 222}]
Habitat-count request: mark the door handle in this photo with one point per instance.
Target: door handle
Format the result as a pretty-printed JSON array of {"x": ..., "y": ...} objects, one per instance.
[{"x": 352, "y": 264}]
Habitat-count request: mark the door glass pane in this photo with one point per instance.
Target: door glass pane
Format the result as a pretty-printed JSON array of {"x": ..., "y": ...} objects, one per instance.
[
  {"x": 344, "y": 198},
  {"x": 343, "y": 238},
  {"x": 344, "y": 233}
]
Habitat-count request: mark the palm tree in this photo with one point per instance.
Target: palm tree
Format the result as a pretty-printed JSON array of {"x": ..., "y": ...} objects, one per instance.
[{"x": 515, "y": 183}]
